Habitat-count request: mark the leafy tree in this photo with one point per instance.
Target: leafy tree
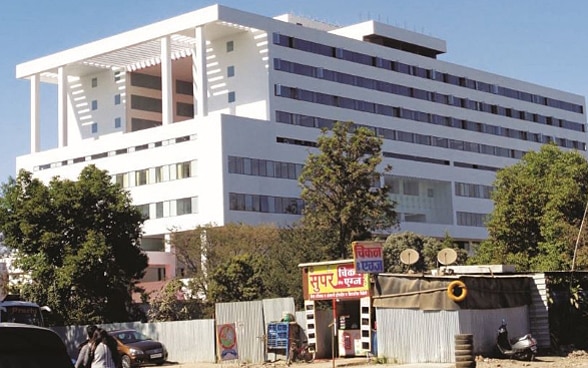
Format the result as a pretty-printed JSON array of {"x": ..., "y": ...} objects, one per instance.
[
  {"x": 539, "y": 205},
  {"x": 206, "y": 249},
  {"x": 171, "y": 304},
  {"x": 340, "y": 187},
  {"x": 427, "y": 248},
  {"x": 79, "y": 242},
  {"x": 238, "y": 279}
]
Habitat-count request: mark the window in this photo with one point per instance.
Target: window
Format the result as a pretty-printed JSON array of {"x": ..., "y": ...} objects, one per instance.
[
  {"x": 146, "y": 81},
  {"x": 184, "y": 206},
  {"x": 144, "y": 209},
  {"x": 230, "y": 46},
  {"x": 184, "y": 88},
  {"x": 410, "y": 188},
  {"x": 117, "y": 99},
  {"x": 117, "y": 123},
  {"x": 185, "y": 109},
  {"x": 159, "y": 210},
  {"x": 117, "y": 76},
  {"x": 94, "y": 104},
  {"x": 141, "y": 177},
  {"x": 94, "y": 82},
  {"x": 122, "y": 180},
  {"x": 159, "y": 174},
  {"x": 94, "y": 127},
  {"x": 183, "y": 170},
  {"x": 230, "y": 71},
  {"x": 231, "y": 96}
]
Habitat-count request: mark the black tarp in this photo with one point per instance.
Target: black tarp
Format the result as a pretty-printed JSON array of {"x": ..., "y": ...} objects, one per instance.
[{"x": 430, "y": 293}]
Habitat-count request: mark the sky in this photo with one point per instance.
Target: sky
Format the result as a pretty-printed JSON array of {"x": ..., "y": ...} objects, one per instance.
[{"x": 539, "y": 41}]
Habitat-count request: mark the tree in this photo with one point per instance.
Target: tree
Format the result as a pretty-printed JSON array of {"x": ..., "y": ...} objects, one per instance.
[
  {"x": 208, "y": 251},
  {"x": 238, "y": 279},
  {"x": 170, "y": 304},
  {"x": 341, "y": 187},
  {"x": 427, "y": 248},
  {"x": 538, "y": 207},
  {"x": 80, "y": 243}
]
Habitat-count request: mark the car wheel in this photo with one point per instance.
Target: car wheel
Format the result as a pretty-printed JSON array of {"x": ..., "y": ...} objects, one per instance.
[{"x": 126, "y": 361}]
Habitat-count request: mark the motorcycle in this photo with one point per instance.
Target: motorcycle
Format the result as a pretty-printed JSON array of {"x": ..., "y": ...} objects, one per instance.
[
  {"x": 300, "y": 352},
  {"x": 522, "y": 348}
]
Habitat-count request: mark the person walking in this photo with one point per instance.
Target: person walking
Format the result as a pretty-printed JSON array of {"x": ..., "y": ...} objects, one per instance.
[
  {"x": 84, "y": 348},
  {"x": 103, "y": 351}
]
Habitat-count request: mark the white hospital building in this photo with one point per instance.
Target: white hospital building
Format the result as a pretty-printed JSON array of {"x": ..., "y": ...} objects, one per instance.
[{"x": 208, "y": 117}]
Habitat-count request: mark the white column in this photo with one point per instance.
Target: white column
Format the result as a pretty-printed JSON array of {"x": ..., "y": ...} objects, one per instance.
[
  {"x": 166, "y": 82},
  {"x": 61, "y": 107},
  {"x": 35, "y": 146},
  {"x": 199, "y": 79}
]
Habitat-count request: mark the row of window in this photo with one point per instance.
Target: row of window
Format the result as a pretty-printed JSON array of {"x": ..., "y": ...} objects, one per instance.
[
  {"x": 402, "y": 113},
  {"x": 265, "y": 204},
  {"x": 117, "y": 125},
  {"x": 158, "y": 174},
  {"x": 397, "y": 89},
  {"x": 266, "y": 168},
  {"x": 473, "y": 190},
  {"x": 117, "y": 77},
  {"x": 175, "y": 207},
  {"x": 471, "y": 219},
  {"x": 94, "y": 103},
  {"x": 120, "y": 151},
  {"x": 427, "y": 140},
  {"x": 375, "y": 61},
  {"x": 299, "y": 142}
]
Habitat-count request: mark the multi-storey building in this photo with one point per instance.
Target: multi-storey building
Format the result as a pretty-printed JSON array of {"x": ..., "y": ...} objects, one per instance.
[{"x": 208, "y": 118}]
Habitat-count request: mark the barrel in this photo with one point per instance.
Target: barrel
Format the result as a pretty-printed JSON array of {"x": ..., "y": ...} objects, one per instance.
[{"x": 464, "y": 351}]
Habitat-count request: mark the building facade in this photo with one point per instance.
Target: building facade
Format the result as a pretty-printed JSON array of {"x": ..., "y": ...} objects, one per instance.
[{"x": 207, "y": 118}]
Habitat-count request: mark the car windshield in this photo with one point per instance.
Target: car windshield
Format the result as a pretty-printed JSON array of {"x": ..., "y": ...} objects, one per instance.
[
  {"x": 22, "y": 314},
  {"x": 129, "y": 336}
]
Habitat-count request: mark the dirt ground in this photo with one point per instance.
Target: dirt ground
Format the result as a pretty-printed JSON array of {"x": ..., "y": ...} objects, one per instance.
[{"x": 574, "y": 359}]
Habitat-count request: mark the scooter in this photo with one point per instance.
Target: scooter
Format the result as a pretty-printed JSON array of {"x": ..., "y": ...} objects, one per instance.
[{"x": 523, "y": 348}]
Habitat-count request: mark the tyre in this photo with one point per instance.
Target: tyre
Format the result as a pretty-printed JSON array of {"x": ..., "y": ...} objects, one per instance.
[
  {"x": 465, "y": 364},
  {"x": 126, "y": 361},
  {"x": 463, "y": 347},
  {"x": 308, "y": 357},
  {"x": 464, "y": 358},
  {"x": 463, "y": 352}
]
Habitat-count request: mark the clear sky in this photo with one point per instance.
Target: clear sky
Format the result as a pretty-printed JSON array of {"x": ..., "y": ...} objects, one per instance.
[{"x": 538, "y": 41}]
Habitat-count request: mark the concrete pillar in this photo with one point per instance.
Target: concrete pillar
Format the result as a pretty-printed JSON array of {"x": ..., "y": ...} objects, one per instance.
[
  {"x": 61, "y": 107},
  {"x": 35, "y": 134},
  {"x": 199, "y": 79},
  {"x": 167, "y": 111}
]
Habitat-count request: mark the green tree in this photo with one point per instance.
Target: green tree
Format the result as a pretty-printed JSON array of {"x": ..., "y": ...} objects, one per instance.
[
  {"x": 539, "y": 205},
  {"x": 341, "y": 187},
  {"x": 206, "y": 249},
  {"x": 171, "y": 304},
  {"x": 237, "y": 279},
  {"x": 427, "y": 248},
  {"x": 79, "y": 242}
]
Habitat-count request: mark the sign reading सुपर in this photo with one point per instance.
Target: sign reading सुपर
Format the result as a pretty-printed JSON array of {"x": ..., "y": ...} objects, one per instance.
[
  {"x": 368, "y": 257},
  {"x": 338, "y": 281}
]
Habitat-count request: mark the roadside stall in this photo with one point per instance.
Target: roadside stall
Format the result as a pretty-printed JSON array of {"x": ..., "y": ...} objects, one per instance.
[{"x": 342, "y": 286}]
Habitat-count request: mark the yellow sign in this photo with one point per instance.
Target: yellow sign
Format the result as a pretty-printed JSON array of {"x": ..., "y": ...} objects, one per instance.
[{"x": 336, "y": 281}]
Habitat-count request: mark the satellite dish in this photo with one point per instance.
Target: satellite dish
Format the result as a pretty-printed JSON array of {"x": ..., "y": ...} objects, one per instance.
[
  {"x": 409, "y": 256},
  {"x": 447, "y": 256}
]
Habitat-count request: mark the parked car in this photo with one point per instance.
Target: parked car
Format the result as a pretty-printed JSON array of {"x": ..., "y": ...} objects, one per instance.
[
  {"x": 29, "y": 346},
  {"x": 137, "y": 349}
]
